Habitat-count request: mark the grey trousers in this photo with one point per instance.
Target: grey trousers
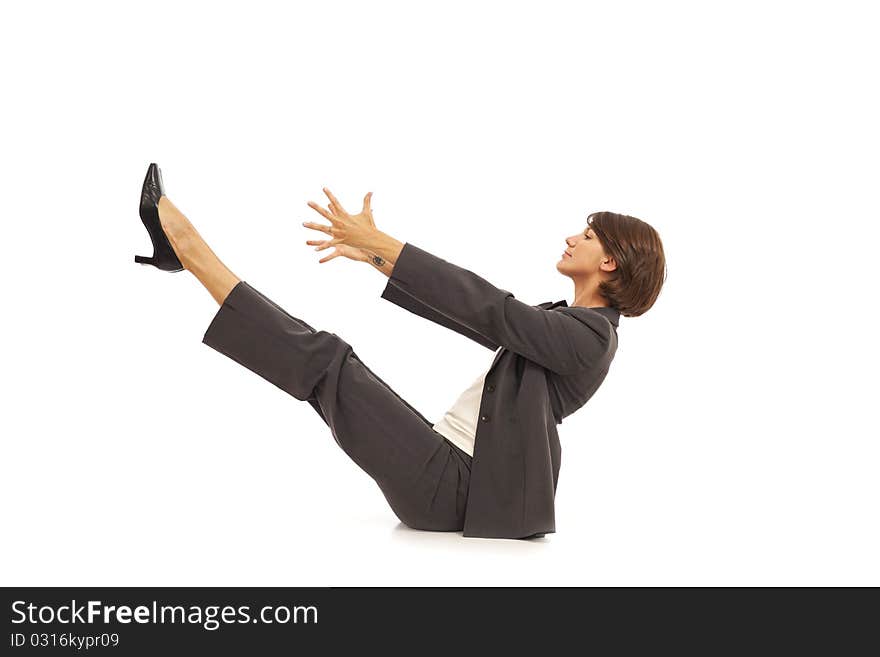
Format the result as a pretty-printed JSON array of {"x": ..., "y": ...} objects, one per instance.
[{"x": 422, "y": 475}]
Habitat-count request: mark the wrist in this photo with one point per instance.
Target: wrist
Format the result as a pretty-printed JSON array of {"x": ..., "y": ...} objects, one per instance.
[
  {"x": 383, "y": 246},
  {"x": 378, "y": 262}
]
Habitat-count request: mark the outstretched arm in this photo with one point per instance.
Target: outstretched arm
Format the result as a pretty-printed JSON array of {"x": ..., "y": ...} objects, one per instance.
[{"x": 562, "y": 342}]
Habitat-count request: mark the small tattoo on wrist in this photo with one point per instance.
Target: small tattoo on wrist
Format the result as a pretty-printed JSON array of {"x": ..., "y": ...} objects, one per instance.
[{"x": 377, "y": 260}]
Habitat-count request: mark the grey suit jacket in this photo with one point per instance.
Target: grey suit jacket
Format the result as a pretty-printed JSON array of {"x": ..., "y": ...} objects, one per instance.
[{"x": 554, "y": 357}]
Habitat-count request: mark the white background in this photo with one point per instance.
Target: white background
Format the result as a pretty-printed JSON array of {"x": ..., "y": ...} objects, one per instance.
[{"x": 734, "y": 441}]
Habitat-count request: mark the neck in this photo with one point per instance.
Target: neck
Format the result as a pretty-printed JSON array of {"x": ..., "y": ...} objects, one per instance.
[{"x": 586, "y": 293}]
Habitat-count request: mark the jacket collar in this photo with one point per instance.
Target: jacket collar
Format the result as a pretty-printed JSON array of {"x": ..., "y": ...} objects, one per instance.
[{"x": 612, "y": 314}]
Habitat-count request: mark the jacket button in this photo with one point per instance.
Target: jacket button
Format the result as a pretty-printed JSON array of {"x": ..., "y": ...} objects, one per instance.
[
  {"x": 485, "y": 418},
  {"x": 490, "y": 388}
]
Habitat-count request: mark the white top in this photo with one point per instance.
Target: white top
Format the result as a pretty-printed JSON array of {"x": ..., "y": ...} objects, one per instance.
[{"x": 459, "y": 424}]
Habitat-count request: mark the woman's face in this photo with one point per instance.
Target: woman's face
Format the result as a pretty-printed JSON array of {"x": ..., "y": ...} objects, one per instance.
[{"x": 583, "y": 254}]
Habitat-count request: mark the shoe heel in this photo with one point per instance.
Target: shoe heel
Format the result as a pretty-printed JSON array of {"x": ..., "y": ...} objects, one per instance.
[{"x": 144, "y": 260}]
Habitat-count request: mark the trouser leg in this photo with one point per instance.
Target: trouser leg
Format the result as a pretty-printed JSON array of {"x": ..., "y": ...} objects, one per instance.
[{"x": 422, "y": 475}]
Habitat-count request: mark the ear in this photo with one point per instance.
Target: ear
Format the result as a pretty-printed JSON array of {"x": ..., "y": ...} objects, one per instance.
[{"x": 608, "y": 264}]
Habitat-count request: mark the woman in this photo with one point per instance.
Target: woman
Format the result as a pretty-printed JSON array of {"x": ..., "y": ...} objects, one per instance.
[{"x": 490, "y": 467}]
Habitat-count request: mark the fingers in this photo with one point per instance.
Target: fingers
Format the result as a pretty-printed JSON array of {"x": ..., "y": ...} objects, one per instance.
[
  {"x": 334, "y": 202},
  {"x": 368, "y": 211},
  {"x": 324, "y": 213},
  {"x": 323, "y": 228},
  {"x": 320, "y": 245},
  {"x": 328, "y": 244}
]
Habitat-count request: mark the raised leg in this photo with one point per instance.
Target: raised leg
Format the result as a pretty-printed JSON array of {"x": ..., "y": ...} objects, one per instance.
[{"x": 423, "y": 476}]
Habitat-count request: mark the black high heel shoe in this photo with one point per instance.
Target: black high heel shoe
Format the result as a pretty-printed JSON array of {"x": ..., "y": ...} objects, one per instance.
[{"x": 164, "y": 256}]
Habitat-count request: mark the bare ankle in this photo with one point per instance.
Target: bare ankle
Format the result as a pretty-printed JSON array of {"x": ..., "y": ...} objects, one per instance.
[{"x": 172, "y": 219}]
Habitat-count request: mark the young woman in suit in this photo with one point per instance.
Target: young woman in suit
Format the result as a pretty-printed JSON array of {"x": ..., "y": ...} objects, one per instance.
[{"x": 490, "y": 466}]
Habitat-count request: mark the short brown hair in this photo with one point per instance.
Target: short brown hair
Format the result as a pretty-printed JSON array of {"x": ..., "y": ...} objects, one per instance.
[{"x": 641, "y": 265}]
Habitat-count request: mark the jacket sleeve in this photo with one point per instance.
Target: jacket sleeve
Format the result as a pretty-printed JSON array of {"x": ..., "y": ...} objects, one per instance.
[
  {"x": 396, "y": 295},
  {"x": 556, "y": 340}
]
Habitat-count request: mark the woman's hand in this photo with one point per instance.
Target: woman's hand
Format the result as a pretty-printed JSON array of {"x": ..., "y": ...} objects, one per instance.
[
  {"x": 349, "y": 233},
  {"x": 344, "y": 250}
]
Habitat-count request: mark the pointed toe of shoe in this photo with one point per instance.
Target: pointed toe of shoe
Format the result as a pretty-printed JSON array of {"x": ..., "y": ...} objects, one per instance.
[
  {"x": 153, "y": 188},
  {"x": 163, "y": 257}
]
